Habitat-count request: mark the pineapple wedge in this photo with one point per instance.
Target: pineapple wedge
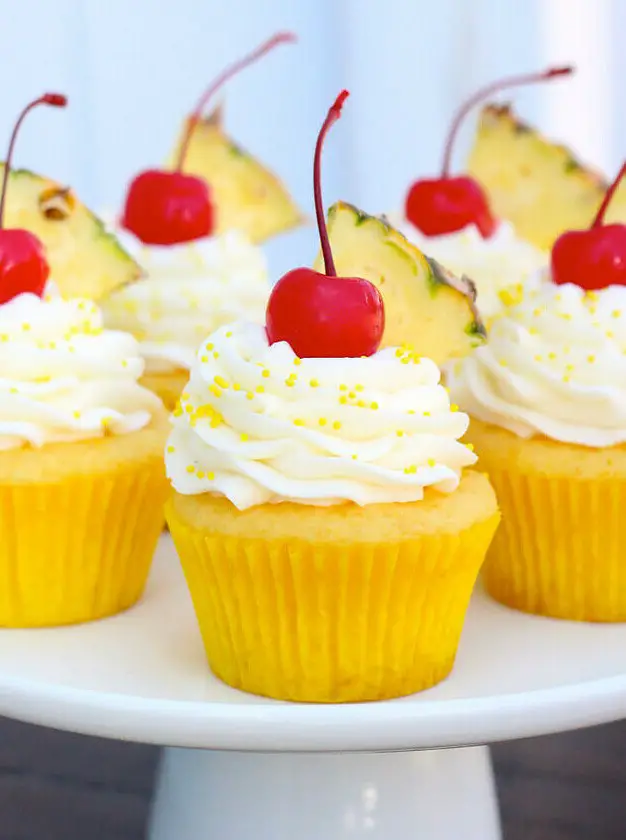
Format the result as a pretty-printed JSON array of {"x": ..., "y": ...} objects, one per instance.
[
  {"x": 537, "y": 185},
  {"x": 248, "y": 196},
  {"x": 426, "y": 306},
  {"x": 85, "y": 259}
]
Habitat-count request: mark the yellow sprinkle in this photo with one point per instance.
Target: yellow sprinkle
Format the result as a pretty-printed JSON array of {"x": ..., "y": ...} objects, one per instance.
[
  {"x": 170, "y": 449},
  {"x": 399, "y": 432},
  {"x": 249, "y": 395},
  {"x": 204, "y": 359},
  {"x": 26, "y": 327},
  {"x": 591, "y": 359},
  {"x": 215, "y": 390},
  {"x": 322, "y": 421},
  {"x": 431, "y": 462},
  {"x": 503, "y": 363},
  {"x": 297, "y": 361},
  {"x": 13, "y": 390},
  {"x": 609, "y": 334},
  {"x": 616, "y": 313},
  {"x": 314, "y": 383},
  {"x": 536, "y": 312},
  {"x": 552, "y": 356},
  {"x": 374, "y": 405},
  {"x": 405, "y": 361},
  {"x": 533, "y": 331},
  {"x": 76, "y": 414},
  {"x": 189, "y": 409},
  {"x": 343, "y": 400},
  {"x": 124, "y": 362},
  {"x": 216, "y": 355},
  {"x": 569, "y": 367},
  {"x": 454, "y": 407},
  {"x": 470, "y": 446},
  {"x": 591, "y": 295},
  {"x": 191, "y": 469},
  {"x": 352, "y": 395},
  {"x": 298, "y": 422},
  {"x": 336, "y": 424},
  {"x": 290, "y": 382},
  {"x": 265, "y": 374},
  {"x": 229, "y": 334},
  {"x": 260, "y": 389},
  {"x": 244, "y": 437},
  {"x": 358, "y": 387},
  {"x": 538, "y": 358},
  {"x": 178, "y": 410},
  {"x": 343, "y": 387},
  {"x": 426, "y": 413},
  {"x": 354, "y": 457},
  {"x": 200, "y": 474},
  {"x": 411, "y": 469},
  {"x": 399, "y": 352},
  {"x": 209, "y": 347},
  {"x": 53, "y": 345},
  {"x": 236, "y": 386},
  {"x": 184, "y": 395},
  {"x": 219, "y": 380},
  {"x": 567, "y": 378},
  {"x": 210, "y": 476},
  {"x": 360, "y": 403}
]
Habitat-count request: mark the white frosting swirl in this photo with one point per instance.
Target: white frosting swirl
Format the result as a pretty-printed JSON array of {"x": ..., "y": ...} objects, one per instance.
[
  {"x": 256, "y": 424},
  {"x": 554, "y": 365},
  {"x": 493, "y": 264},
  {"x": 189, "y": 290},
  {"x": 64, "y": 378}
]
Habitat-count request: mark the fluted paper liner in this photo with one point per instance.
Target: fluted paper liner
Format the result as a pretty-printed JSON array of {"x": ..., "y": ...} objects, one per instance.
[
  {"x": 78, "y": 549},
  {"x": 560, "y": 549},
  {"x": 330, "y": 622}
]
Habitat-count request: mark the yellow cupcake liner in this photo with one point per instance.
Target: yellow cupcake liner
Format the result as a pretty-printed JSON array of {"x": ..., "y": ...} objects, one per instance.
[
  {"x": 79, "y": 549},
  {"x": 560, "y": 549},
  {"x": 167, "y": 386},
  {"x": 330, "y": 623}
]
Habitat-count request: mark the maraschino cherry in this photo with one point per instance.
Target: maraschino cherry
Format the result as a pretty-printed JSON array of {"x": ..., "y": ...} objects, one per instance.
[
  {"x": 322, "y": 315},
  {"x": 596, "y": 258},
  {"x": 437, "y": 206},
  {"x": 23, "y": 264},
  {"x": 167, "y": 208}
]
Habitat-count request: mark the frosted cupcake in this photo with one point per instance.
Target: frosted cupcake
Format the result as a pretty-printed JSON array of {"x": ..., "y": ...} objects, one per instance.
[
  {"x": 547, "y": 397},
  {"x": 81, "y": 478},
  {"x": 451, "y": 219},
  {"x": 194, "y": 229},
  {"x": 188, "y": 289},
  {"x": 328, "y": 529}
]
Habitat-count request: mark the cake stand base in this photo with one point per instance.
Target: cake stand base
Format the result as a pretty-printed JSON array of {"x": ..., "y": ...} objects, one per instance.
[{"x": 430, "y": 795}]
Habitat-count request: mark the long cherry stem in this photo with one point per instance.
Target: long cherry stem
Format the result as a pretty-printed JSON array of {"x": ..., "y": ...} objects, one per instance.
[
  {"x": 57, "y": 100},
  {"x": 599, "y": 219},
  {"x": 333, "y": 115},
  {"x": 488, "y": 90},
  {"x": 225, "y": 76}
]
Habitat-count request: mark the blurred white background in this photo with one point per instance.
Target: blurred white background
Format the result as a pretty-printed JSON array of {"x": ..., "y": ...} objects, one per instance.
[{"x": 133, "y": 68}]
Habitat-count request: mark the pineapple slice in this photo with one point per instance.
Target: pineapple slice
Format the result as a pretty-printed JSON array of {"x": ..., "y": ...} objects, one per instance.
[
  {"x": 248, "y": 196},
  {"x": 537, "y": 185},
  {"x": 85, "y": 259},
  {"x": 426, "y": 306}
]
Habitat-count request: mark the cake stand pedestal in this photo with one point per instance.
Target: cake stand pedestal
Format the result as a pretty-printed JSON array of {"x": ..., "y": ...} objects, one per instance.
[{"x": 238, "y": 767}]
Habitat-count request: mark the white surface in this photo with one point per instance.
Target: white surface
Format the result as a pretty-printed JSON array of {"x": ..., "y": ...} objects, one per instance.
[
  {"x": 142, "y": 676},
  {"x": 441, "y": 795}
]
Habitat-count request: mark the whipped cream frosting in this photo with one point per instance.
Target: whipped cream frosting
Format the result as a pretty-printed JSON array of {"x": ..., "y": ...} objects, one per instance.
[
  {"x": 493, "y": 264},
  {"x": 554, "y": 365},
  {"x": 63, "y": 377},
  {"x": 189, "y": 290},
  {"x": 257, "y": 424}
]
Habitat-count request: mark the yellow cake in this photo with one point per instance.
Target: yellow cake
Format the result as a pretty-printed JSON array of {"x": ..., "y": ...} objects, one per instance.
[
  {"x": 82, "y": 483},
  {"x": 547, "y": 398},
  {"x": 328, "y": 531}
]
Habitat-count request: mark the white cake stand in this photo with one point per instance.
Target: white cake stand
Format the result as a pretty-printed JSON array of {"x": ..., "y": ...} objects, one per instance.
[{"x": 239, "y": 767}]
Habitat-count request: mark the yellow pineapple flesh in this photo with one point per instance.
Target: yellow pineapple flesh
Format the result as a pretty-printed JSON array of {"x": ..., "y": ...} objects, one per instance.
[
  {"x": 536, "y": 184},
  {"x": 426, "y": 306},
  {"x": 248, "y": 197},
  {"x": 85, "y": 259}
]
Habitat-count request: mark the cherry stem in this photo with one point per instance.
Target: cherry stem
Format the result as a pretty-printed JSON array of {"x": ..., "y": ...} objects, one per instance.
[
  {"x": 333, "y": 115},
  {"x": 488, "y": 90},
  {"x": 57, "y": 100},
  {"x": 599, "y": 219},
  {"x": 225, "y": 76}
]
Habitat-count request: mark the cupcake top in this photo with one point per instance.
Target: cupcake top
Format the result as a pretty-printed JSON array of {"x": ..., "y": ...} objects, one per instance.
[
  {"x": 493, "y": 264},
  {"x": 189, "y": 290},
  {"x": 63, "y": 378},
  {"x": 554, "y": 365},
  {"x": 257, "y": 424}
]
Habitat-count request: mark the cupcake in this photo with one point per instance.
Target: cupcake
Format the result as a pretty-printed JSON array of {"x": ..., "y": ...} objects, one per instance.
[
  {"x": 328, "y": 528},
  {"x": 195, "y": 230},
  {"x": 547, "y": 398},
  {"x": 189, "y": 289},
  {"x": 81, "y": 476},
  {"x": 452, "y": 220}
]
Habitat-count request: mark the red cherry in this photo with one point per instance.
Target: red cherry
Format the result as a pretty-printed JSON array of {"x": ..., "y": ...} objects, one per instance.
[
  {"x": 437, "y": 206},
  {"x": 596, "y": 258},
  {"x": 167, "y": 208},
  {"x": 23, "y": 264},
  {"x": 322, "y": 315}
]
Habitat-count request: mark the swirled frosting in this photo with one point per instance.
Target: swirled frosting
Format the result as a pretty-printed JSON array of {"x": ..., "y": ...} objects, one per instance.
[
  {"x": 493, "y": 264},
  {"x": 64, "y": 378},
  {"x": 555, "y": 365},
  {"x": 189, "y": 290},
  {"x": 257, "y": 424}
]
